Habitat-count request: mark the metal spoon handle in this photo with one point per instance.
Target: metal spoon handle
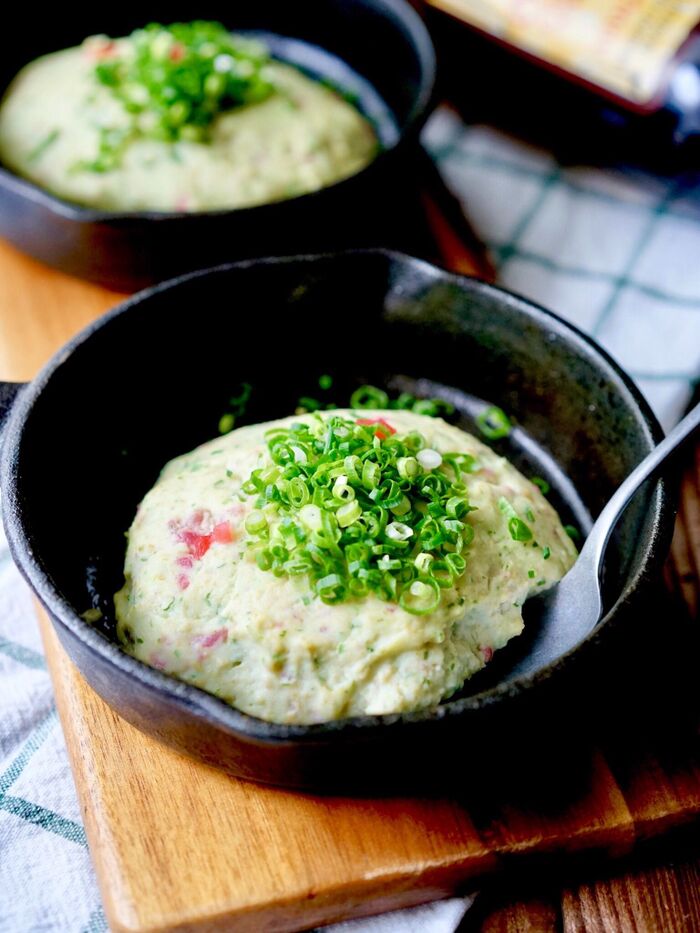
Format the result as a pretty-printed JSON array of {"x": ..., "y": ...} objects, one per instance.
[{"x": 597, "y": 540}]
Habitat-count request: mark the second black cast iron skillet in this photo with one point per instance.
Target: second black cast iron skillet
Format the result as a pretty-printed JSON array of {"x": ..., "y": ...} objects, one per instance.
[
  {"x": 150, "y": 380},
  {"x": 377, "y": 50}
]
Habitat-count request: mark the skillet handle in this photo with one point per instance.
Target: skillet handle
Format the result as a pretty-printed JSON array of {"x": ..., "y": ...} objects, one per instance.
[{"x": 8, "y": 393}]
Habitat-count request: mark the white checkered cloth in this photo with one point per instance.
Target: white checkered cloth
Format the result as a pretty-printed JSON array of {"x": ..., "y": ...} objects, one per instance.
[{"x": 615, "y": 252}]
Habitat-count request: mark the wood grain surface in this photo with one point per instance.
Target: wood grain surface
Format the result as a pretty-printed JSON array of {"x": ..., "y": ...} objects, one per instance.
[
  {"x": 180, "y": 846},
  {"x": 660, "y": 898}
]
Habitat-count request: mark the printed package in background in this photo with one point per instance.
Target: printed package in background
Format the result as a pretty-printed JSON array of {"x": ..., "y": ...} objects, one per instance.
[{"x": 623, "y": 46}]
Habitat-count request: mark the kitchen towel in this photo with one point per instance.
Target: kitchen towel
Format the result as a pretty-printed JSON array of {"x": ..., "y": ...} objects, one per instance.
[{"x": 613, "y": 251}]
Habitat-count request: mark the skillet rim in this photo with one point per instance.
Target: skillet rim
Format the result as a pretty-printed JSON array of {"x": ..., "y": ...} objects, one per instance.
[{"x": 217, "y": 712}]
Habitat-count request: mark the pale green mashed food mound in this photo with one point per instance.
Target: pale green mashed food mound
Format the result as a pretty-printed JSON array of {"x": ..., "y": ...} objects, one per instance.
[
  {"x": 267, "y": 646},
  {"x": 302, "y": 138}
]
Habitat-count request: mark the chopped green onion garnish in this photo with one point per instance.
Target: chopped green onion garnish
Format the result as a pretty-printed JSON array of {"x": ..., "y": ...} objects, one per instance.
[
  {"x": 226, "y": 423},
  {"x": 309, "y": 404},
  {"x": 517, "y": 528},
  {"x": 433, "y": 407},
  {"x": 494, "y": 423},
  {"x": 347, "y": 514},
  {"x": 421, "y": 597},
  {"x": 546, "y": 553},
  {"x": 173, "y": 81},
  {"x": 398, "y": 531},
  {"x": 239, "y": 402},
  {"x": 404, "y": 402},
  {"x": 238, "y": 406},
  {"x": 369, "y": 397},
  {"x": 256, "y": 523},
  {"x": 371, "y": 475},
  {"x": 542, "y": 484},
  {"x": 429, "y": 459},
  {"x": 572, "y": 532},
  {"x": 357, "y": 513},
  {"x": 423, "y": 562},
  {"x": 408, "y": 467}
]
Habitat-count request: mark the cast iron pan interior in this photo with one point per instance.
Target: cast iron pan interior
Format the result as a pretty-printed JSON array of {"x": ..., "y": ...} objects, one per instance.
[{"x": 151, "y": 380}]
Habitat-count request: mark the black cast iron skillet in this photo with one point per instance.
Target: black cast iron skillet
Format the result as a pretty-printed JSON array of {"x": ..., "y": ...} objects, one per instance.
[
  {"x": 378, "y": 50},
  {"x": 149, "y": 380}
]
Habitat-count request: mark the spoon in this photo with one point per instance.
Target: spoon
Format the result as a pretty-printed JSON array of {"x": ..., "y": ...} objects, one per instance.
[{"x": 564, "y": 615}]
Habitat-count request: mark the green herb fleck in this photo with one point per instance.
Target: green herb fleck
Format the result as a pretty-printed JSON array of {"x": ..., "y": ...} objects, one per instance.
[{"x": 41, "y": 147}]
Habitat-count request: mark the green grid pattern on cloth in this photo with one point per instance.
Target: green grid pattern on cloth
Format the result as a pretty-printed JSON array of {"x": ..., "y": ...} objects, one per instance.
[
  {"x": 28, "y": 722},
  {"x": 25, "y": 916},
  {"x": 612, "y": 251}
]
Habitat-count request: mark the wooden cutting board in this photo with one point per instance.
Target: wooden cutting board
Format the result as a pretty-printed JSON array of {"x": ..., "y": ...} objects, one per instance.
[{"x": 180, "y": 846}]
